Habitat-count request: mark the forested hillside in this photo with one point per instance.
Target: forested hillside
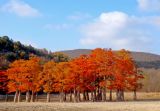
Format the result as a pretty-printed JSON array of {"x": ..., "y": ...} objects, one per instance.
[{"x": 11, "y": 50}]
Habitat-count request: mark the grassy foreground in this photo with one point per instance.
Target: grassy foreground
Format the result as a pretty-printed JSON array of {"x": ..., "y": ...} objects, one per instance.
[{"x": 96, "y": 106}]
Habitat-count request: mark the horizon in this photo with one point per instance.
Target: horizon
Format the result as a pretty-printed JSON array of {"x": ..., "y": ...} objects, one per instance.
[
  {"x": 67, "y": 25},
  {"x": 81, "y": 49}
]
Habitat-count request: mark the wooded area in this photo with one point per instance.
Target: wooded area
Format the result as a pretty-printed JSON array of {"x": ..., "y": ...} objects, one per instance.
[{"x": 95, "y": 74}]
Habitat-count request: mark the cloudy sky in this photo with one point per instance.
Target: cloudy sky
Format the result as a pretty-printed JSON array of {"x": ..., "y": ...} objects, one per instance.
[{"x": 71, "y": 24}]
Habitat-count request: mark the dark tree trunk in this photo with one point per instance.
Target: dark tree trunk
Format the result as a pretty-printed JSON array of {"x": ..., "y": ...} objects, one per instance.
[
  {"x": 104, "y": 90},
  {"x": 65, "y": 96},
  {"x": 110, "y": 95},
  {"x": 70, "y": 97},
  {"x": 95, "y": 97},
  {"x": 99, "y": 94},
  {"x": 135, "y": 95},
  {"x": 87, "y": 95},
  {"x": 84, "y": 96}
]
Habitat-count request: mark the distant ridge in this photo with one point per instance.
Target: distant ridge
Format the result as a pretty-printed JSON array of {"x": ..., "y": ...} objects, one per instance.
[{"x": 143, "y": 59}]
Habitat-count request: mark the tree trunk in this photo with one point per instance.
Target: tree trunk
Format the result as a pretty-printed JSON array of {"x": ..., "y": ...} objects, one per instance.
[
  {"x": 32, "y": 97},
  {"x": 78, "y": 96},
  {"x": 48, "y": 97},
  {"x": 75, "y": 95},
  {"x": 27, "y": 96},
  {"x": 104, "y": 90},
  {"x": 99, "y": 96},
  {"x": 120, "y": 95},
  {"x": 95, "y": 97},
  {"x": 6, "y": 98},
  {"x": 36, "y": 99},
  {"x": 104, "y": 94},
  {"x": 19, "y": 96},
  {"x": 61, "y": 97},
  {"x": 92, "y": 98},
  {"x": 70, "y": 97},
  {"x": 15, "y": 96},
  {"x": 135, "y": 95},
  {"x": 110, "y": 95},
  {"x": 87, "y": 95},
  {"x": 65, "y": 96},
  {"x": 84, "y": 96}
]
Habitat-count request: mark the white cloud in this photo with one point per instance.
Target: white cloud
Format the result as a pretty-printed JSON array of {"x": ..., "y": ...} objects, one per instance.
[
  {"x": 57, "y": 26},
  {"x": 149, "y": 5},
  {"x": 119, "y": 30},
  {"x": 20, "y": 8},
  {"x": 79, "y": 16}
]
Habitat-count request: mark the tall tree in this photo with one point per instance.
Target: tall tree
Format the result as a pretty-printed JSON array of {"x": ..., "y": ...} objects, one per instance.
[
  {"x": 16, "y": 78},
  {"x": 62, "y": 71},
  {"x": 48, "y": 78}
]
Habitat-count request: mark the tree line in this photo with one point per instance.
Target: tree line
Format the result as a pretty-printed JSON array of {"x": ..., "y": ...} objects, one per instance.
[{"x": 85, "y": 78}]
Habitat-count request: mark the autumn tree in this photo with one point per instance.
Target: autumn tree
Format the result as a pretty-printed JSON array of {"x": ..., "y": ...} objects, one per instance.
[
  {"x": 48, "y": 78},
  {"x": 34, "y": 76},
  {"x": 16, "y": 78},
  {"x": 125, "y": 73},
  {"x": 62, "y": 70},
  {"x": 104, "y": 59},
  {"x": 3, "y": 81}
]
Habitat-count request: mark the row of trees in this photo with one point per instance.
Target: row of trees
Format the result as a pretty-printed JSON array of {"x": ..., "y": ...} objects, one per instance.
[{"x": 85, "y": 78}]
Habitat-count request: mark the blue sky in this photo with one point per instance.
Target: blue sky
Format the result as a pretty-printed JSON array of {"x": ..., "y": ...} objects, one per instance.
[{"x": 71, "y": 24}]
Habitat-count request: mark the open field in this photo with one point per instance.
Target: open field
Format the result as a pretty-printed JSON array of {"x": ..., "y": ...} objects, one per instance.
[
  {"x": 141, "y": 96},
  {"x": 88, "y": 106},
  {"x": 145, "y": 102}
]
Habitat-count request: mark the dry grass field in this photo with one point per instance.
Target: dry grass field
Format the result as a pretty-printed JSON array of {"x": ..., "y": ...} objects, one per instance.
[
  {"x": 88, "y": 106},
  {"x": 146, "y": 102}
]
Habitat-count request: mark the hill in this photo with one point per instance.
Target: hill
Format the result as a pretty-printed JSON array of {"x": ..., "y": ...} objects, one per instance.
[
  {"x": 145, "y": 60},
  {"x": 12, "y": 50}
]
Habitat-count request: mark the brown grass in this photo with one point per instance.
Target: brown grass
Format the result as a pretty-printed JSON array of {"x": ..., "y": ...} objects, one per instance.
[
  {"x": 141, "y": 96},
  {"x": 96, "y": 106},
  {"x": 147, "y": 102}
]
